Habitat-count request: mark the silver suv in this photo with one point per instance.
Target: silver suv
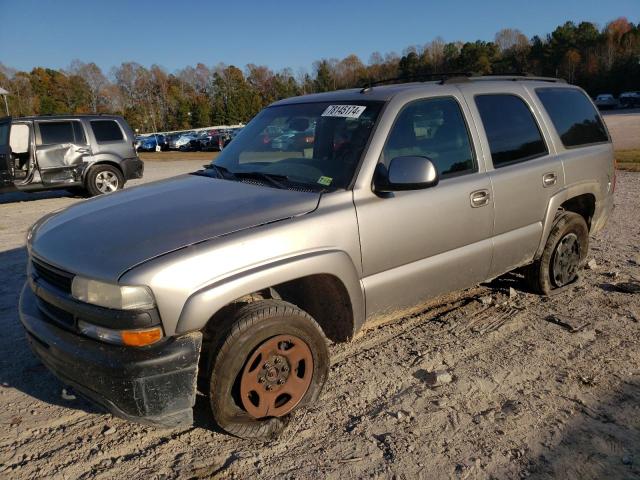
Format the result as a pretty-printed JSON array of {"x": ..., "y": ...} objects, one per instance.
[
  {"x": 93, "y": 153},
  {"x": 230, "y": 280}
]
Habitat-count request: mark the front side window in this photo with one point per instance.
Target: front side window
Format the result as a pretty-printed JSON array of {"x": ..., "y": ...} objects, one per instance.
[
  {"x": 432, "y": 128},
  {"x": 106, "y": 131},
  {"x": 56, "y": 132},
  {"x": 573, "y": 115},
  {"x": 316, "y": 144},
  {"x": 511, "y": 129}
]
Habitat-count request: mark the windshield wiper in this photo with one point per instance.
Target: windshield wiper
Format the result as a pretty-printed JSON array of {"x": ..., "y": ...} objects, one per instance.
[
  {"x": 272, "y": 178},
  {"x": 277, "y": 180},
  {"x": 220, "y": 171}
]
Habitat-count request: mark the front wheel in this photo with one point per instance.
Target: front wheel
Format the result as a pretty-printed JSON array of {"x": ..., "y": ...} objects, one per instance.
[
  {"x": 274, "y": 360},
  {"x": 564, "y": 254},
  {"x": 104, "y": 178}
]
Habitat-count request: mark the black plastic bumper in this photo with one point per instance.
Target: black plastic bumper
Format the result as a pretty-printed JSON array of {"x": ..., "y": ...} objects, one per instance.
[
  {"x": 132, "y": 168},
  {"x": 153, "y": 385}
]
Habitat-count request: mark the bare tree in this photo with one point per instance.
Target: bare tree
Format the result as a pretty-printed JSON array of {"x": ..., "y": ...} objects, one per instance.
[
  {"x": 508, "y": 38},
  {"x": 94, "y": 77}
]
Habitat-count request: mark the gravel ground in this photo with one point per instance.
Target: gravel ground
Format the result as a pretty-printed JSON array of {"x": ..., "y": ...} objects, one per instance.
[{"x": 527, "y": 398}]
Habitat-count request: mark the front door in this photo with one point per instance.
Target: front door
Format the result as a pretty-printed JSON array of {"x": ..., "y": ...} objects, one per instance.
[
  {"x": 6, "y": 172},
  {"x": 419, "y": 244}
]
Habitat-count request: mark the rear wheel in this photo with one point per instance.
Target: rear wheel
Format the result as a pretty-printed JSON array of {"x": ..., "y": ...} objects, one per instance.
[
  {"x": 104, "y": 178},
  {"x": 273, "y": 361},
  {"x": 564, "y": 254}
]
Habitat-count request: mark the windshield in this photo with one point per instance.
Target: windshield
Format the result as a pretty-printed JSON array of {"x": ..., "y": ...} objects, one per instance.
[{"x": 317, "y": 144}]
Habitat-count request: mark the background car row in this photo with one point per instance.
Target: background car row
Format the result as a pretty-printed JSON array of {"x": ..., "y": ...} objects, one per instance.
[
  {"x": 606, "y": 101},
  {"x": 189, "y": 141}
]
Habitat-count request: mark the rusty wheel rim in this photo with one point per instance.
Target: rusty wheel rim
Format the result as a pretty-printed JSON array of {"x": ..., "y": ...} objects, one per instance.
[{"x": 276, "y": 377}]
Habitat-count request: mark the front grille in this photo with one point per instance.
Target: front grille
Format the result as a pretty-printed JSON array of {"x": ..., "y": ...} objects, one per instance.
[
  {"x": 52, "y": 275},
  {"x": 55, "y": 314}
]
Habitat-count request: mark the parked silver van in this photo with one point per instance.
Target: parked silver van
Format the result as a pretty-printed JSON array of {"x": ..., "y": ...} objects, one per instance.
[
  {"x": 94, "y": 153},
  {"x": 237, "y": 274}
]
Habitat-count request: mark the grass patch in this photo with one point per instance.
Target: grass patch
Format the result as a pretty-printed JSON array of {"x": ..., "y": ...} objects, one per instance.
[
  {"x": 176, "y": 156},
  {"x": 628, "y": 159}
]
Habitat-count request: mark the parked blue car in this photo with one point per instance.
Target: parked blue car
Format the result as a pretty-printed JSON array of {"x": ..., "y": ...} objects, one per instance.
[{"x": 153, "y": 143}]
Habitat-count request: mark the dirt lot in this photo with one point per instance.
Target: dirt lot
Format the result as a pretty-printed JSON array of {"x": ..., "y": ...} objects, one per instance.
[
  {"x": 624, "y": 126},
  {"x": 528, "y": 397}
]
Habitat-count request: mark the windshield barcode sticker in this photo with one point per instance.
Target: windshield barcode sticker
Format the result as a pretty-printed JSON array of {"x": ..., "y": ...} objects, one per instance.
[{"x": 344, "y": 111}]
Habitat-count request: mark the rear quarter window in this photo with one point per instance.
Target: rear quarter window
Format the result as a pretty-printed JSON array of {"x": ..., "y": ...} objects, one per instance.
[
  {"x": 573, "y": 116},
  {"x": 106, "y": 131}
]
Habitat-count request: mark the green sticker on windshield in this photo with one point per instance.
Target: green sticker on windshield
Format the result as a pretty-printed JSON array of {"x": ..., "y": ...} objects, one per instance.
[{"x": 326, "y": 181}]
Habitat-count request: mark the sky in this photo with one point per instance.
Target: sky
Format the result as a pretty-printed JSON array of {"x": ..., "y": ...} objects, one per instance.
[{"x": 285, "y": 33}]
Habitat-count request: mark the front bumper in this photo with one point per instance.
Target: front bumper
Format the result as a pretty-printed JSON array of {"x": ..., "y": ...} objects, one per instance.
[
  {"x": 132, "y": 168},
  {"x": 154, "y": 385}
]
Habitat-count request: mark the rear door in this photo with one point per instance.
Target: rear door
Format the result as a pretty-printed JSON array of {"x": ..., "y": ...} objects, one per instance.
[
  {"x": 6, "y": 172},
  {"x": 523, "y": 167},
  {"x": 61, "y": 146}
]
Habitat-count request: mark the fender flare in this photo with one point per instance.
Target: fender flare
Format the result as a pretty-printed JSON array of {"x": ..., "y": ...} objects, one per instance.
[
  {"x": 203, "y": 304},
  {"x": 556, "y": 201},
  {"x": 102, "y": 159}
]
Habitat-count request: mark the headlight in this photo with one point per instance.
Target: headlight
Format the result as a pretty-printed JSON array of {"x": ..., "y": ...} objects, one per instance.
[
  {"x": 132, "y": 338},
  {"x": 112, "y": 296}
]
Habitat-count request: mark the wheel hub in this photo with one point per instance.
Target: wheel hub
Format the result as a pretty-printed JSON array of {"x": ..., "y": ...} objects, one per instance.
[
  {"x": 276, "y": 376},
  {"x": 566, "y": 259},
  {"x": 106, "y": 182}
]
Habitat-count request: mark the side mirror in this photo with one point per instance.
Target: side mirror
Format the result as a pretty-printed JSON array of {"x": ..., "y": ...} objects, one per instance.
[{"x": 407, "y": 173}]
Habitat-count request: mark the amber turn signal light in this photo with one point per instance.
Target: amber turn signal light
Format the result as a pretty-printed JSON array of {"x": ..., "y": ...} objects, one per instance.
[{"x": 140, "y": 338}]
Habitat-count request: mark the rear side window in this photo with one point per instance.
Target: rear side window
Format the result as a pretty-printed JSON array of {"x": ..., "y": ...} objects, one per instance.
[
  {"x": 511, "y": 129},
  {"x": 56, "y": 132},
  {"x": 106, "y": 131},
  {"x": 574, "y": 117},
  {"x": 433, "y": 128}
]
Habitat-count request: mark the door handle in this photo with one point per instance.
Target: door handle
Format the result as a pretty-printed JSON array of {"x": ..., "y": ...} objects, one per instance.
[
  {"x": 83, "y": 150},
  {"x": 549, "y": 179},
  {"x": 479, "y": 198}
]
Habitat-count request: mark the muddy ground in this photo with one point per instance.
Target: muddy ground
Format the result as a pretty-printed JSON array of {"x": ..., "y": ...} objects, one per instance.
[{"x": 528, "y": 398}]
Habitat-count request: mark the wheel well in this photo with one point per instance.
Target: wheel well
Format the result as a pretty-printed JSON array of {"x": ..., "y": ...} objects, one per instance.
[
  {"x": 323, "y": 296},
  {"x": 584, "y": 205},
  {"x": 103, "y": 162},
  {"x": 326, "y": 299}
]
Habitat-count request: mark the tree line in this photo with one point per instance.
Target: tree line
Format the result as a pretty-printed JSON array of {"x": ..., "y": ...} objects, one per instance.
[{"x": 152, "y": 99}]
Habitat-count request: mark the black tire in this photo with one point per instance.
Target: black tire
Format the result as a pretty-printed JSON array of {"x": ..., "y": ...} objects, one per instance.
[
  {"x": 92, "y": 183},
  {"x": 252, "y": 325},
  {"x": 540, "y": 274}
]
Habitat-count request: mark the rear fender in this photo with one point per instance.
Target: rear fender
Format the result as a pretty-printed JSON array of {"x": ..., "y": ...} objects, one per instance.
[
  {"x": 102, "y": 158},
  {"x": 557, "y": 200}
]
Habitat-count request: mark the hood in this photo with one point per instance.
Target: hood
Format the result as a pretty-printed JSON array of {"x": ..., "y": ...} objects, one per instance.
[{"x": 104, "y": 237}]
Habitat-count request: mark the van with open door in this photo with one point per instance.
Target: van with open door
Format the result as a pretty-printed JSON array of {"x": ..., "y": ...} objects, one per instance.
[{"x": 91, "y": 153}]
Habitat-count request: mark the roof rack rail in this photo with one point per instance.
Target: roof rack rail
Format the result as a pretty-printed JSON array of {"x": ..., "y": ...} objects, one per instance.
[
  {"x": 460, "y": 77},
  {"x": 419, "y": 77},
  {"x": 514, "y": 77}
]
